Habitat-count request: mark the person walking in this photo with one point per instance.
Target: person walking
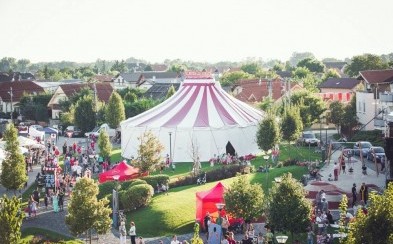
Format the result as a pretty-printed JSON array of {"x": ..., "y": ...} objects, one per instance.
[
  {"x": 364, "y": 193},
  {"x": 123, "y": 232},
  {"x": 55, "y": 203},
  {"x": 354, "y": 193},
  {"x": 132, "y": 232}
]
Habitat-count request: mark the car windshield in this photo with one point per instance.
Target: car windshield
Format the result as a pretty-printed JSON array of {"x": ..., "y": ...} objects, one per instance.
[
  {"x": 308, "y": 136},
  {"x": 366, "y": 145},
  {"x": 378, "y": 150}
]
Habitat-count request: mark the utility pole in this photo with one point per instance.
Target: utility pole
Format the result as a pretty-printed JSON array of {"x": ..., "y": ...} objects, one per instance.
[
  {"x": 11, "y": 94},
  {"x": 95, "y": 101}
]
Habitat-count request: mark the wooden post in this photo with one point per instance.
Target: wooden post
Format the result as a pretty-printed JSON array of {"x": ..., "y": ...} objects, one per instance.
[{"x": 329, "y": 153}]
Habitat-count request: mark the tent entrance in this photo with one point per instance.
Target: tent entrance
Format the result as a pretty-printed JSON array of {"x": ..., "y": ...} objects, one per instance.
[{"x": 230, "y": 149}]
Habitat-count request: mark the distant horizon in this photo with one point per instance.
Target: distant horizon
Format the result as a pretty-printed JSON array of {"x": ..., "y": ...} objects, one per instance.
[{"x": 83, "y": 31}]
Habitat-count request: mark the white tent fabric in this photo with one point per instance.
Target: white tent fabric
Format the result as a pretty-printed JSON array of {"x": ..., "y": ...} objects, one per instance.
[
  {"x": 26, "y": 142},
  {"x": 199, "y": 113},
  {"x": 36, "y": 133}
]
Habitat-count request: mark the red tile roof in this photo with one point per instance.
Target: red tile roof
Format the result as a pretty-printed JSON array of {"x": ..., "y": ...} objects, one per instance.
[
  {"x": 255, "y": 91},
  {"x": 377, "y": 76},
  {"x": 18, "y": 88},
  {"x": 104, "y": 90},
  {"x": 103, "y": 78}
]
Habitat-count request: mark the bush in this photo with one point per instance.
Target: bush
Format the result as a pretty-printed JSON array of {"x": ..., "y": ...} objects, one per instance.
[
  {"x": 136, "y": 197},
  {"x": 153, "y": 180},
  {"x": 136, "y": 182},
  {"x": 183, "y": 181},
  {"x": 279, "y": 165},
  {"x": 289, "y": 162},
  {"x": 105, "y": 189}
]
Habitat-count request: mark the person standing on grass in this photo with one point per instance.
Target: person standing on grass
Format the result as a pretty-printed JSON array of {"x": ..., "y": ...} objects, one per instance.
[{"x": 132, "y": 232}]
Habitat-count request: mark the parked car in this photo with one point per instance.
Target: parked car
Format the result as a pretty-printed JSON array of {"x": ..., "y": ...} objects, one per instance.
[
  {"x": 376, "y": 152},
  {"x": 37, "y": 127},
  {"x": 73, "y": 131},
  {"x": 104, "y": 127},
  {"x": 365, "y": 147},
  {"x": 308, "y": 138}
]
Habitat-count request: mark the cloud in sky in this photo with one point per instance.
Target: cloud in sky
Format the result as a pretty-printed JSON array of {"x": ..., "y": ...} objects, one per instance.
[{"x": 203, "y": 30}]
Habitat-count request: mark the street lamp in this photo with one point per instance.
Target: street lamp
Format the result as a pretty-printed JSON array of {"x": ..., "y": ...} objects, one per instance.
[
  {"x": 115, "y": 202},
  {"x": 170, "y": 147},
  {"x": 220, "y": 207},
  {"x": 281, "y": 239}
]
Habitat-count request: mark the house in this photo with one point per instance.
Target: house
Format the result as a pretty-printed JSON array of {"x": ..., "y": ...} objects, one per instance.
[
  {"x": 103, "y": 78},
  {"x": 159, "y": 90},
  {"x": 16, "y": 76},
  {"x": 65, "y": 91},
  {"x": 51, "y": 86},
  {"x": 338, "y": 89},
  {"x": 375, "y": 101},
  {"x": 147, "y": 79},
  {"x": 136, "y": 67},
  {"x": 12, "y": 91},
  {"x": 256, "y": 90},
  {"x": 124, "y": 80},
  {"x": 337, "y": 66}
]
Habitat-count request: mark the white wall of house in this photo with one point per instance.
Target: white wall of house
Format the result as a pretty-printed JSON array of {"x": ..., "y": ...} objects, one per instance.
[
  {"x": 119, "y": 80},
  {"x": 365, "y": 109}
]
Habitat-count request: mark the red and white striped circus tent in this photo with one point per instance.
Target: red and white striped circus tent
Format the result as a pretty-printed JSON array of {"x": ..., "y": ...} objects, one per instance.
[{"x": 200, "y": 117}]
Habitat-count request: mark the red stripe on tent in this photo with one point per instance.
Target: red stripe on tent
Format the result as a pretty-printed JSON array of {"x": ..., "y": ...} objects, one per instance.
[
  {"x": 169, "y": 108},
  {"x": 179, "y": 116},
  {"x": 236, "y": 106},
  {"x": 222, "y": 112},
  {"x": 202, "y": 119}
]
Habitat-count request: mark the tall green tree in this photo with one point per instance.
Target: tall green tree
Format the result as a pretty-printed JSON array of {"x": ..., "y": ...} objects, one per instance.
[
  {"x": 312, "y": 65},
  {"x": 243, "y": 199},
  {"x": 7, "y": 64},
  {"x": 13, "y": 167},
  {"x": 10, "y": 220},
  {"x": 149, "y": 152},
  {"x": 104, "y": 144},
  {"x": 377, "y": 226},
  {"x": 350, "y": 119},
  {"x": 336, "y": 114},
  {"x": 365, "y": 62},
  {"x": 230, "y": 78},
  {"x": 300, "y": 72},
  {"x": 330, "y": 73},
  {"x": 297, "y": 57},
  {"x": 22, "y": 65},
  {"x": 268, "y": 134},
  {"x": 115, "y": 112},
  {"x": 85, "y": 212},
  {"x": 170, "y": 92},
  {"x": 288, "y": 208},
  {"x": 84, "y": 114},
  {"x": 130, "y": 97},
  {"x": 291, "y": 125},
  {"x": 250, "y": 68},
  {"x": 311, "y": 106}
]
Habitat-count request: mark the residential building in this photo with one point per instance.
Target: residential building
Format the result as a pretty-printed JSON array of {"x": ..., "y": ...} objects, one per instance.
[
  {"x": 374, "y": 104},
  {"x": 159, "y": 90},
  {"x": 12, "y": 91},
  {"x": 338, "y": 89},
  {"x": 103, "y": 78},
  {"x": 124, "y": 80},
  {"x": 256, "y": 90},
  {"x": 65, "y": 91}
]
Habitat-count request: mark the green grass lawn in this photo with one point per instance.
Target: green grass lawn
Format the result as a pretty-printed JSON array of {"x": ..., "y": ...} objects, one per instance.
[{"x": 38, "y": 235}]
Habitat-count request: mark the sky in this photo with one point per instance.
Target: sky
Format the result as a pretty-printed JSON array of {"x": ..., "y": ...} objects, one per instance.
[{"x": 197, "y": 30}]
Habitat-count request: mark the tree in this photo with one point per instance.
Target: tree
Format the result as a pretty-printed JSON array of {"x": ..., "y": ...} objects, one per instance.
[
  {"x": 288, "y": 209},
  {"x": 311, "y": 82},
  {"x": 311, "y": 106},
  {"x": 268, "y": 134},
  {"x": 130, "y": 97},
  {"x": 170, "y": 92},
  {"x": 115, "y": 112},
  {"x": 336, "y": 114},
  {"x": 267, "y": 104},
  {"x": 330, "y": 73},
  {"x": 85, "y": 212},
  {"x": 149, "y": 152},
  {"x": 279, "y": 66},
  {"x": 104, "y": 144},
  {"x": 148, "y": 68},
  {"x": 230, "y": 78},
  {"x": 10, "y": 219},
  {"x": 250, "y": 68},
  {"x": 297, "y": 57},
  {"x": 13, "y": 175},
  {"x": 343, "y": 213},
  {"x": 178, "y": 68},
  {"x": 312, "y": 65},
  {"x": 291, "y": 125},
  {"x": 350, "y": 118},
  {"x": 377, "y": 226},
  {"x": 364, "y": 62},
  {"x": 243, "y": 199},
  {"x": 300, "y": 72},
  {"x": 22, "y": 65},
  {"x": 7, "y": 64},
  {"x": 84, "y": 115},
  {"x": 196, "y": 239}
]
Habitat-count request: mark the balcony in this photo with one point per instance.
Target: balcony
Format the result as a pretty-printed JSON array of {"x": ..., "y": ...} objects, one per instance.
[
  {"x": 387, "y": 98},
  {"x": 379, "y": 122}
]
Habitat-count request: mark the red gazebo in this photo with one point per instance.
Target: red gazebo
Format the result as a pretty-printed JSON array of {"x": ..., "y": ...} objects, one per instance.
[{"x": 123, "y": 170}]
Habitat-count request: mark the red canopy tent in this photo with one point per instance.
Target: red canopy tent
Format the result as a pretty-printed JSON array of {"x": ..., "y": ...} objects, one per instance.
[
  {"x": 206, "y": 201},
  {"x": 123, "y": 170}
]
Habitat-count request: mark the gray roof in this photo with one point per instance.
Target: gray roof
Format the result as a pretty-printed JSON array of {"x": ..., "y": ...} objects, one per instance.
[
  {"x": 159, "y": 90},
  {"x": 343, "y": 83},
  {"x": 131, "y": 77},
  {"x": 160, "y": 75},
  {"x": 335, "y": 65},
  {"x": 284, "y": 74}
]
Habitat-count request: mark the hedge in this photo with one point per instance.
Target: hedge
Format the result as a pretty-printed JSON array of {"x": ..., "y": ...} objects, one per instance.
[{"x": 136, "y": 197}]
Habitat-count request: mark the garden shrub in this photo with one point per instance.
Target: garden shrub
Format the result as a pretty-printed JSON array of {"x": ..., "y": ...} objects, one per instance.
[
  {"x": 279, "y": 165},
  {"x": 290, "y": 162},
  {"x": 105, "y": 188},
  {"x": 136, "y": 197},
  {"x": 136, "y": 182},
  {"x": 153, "y": 180}
]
